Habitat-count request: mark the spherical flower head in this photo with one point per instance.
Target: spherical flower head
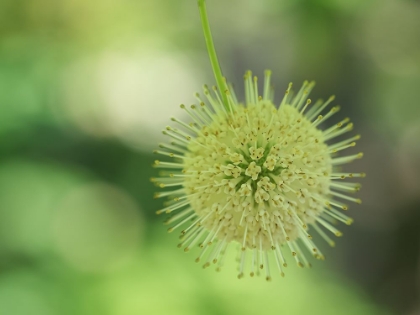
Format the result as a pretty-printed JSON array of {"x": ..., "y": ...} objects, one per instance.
[{"x": 256, "y": 174}]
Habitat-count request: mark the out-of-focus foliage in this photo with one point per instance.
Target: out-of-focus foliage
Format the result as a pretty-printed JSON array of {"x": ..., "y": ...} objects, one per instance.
[{"x": 87, "y": 85}]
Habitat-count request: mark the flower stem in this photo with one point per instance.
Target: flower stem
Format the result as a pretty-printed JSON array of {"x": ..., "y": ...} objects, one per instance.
[{"x": 221, "y": 83}]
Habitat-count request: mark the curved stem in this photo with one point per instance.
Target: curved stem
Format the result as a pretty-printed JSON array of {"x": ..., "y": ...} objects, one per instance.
[{"x": 221, "y": 83}]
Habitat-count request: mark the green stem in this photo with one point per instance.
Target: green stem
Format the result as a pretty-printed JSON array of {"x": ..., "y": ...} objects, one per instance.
[{"x": 212, "y": 52}]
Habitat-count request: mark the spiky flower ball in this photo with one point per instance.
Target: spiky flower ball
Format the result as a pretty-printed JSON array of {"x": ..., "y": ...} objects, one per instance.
[
  {"x": 259, "y": 175},
  {"x": 256, "y": 175}
]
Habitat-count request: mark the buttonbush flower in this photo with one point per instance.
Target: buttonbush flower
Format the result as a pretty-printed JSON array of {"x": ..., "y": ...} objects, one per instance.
[{"x": 262, "y": 176}]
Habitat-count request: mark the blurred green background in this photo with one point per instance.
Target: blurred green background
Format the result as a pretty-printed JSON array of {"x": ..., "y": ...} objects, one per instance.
[{"x": 87, "y": 85}]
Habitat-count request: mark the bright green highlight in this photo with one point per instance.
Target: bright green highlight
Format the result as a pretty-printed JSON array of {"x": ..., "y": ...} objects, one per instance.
[{"x": 221, "y": 83}]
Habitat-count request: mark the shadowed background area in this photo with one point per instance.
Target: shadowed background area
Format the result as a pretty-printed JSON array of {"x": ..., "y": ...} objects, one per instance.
[{"x": 87, "y": 86}]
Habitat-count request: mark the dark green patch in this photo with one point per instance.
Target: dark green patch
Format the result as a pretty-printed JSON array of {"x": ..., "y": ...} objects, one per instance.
[
  {"x": 277, "y": 170},
  {"x": 241, "y": 182}
]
